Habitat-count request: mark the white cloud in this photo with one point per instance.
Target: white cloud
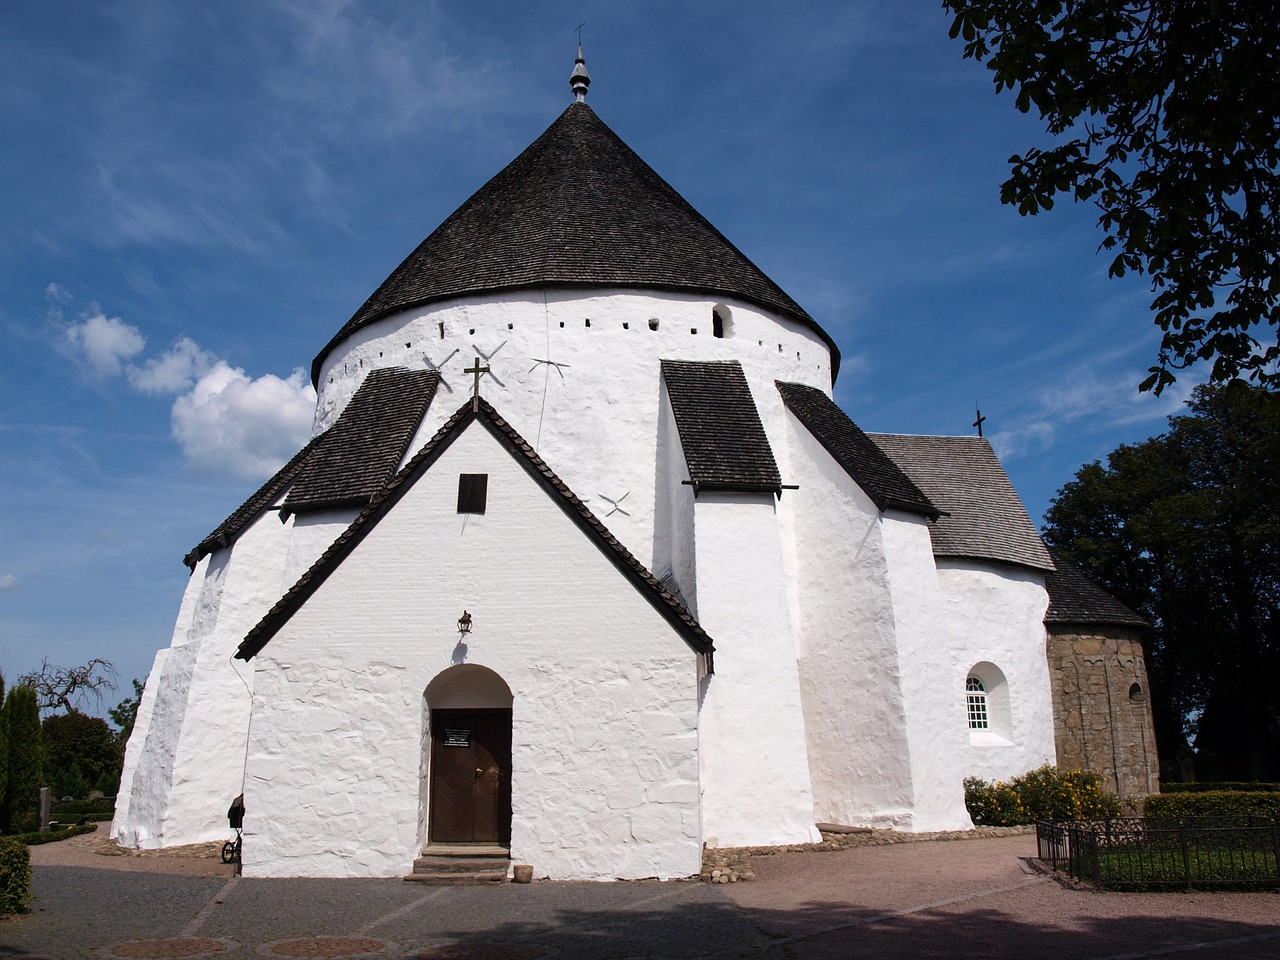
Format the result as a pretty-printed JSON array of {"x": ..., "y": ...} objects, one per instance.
[
  {"x": 9, "y": 583},
  {"x": 231, "y": 423},
  {"x": 175, "y": 370},
  {"x": 57, "y": 293},
  {"x": 106, "y": 342}
]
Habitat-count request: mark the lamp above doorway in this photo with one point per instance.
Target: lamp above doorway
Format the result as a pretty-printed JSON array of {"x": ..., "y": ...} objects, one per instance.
[{"x": 464, "y": 623}]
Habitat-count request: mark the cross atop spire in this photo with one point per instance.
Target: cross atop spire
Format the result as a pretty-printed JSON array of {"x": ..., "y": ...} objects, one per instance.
[{"x": 579, "y": 80}]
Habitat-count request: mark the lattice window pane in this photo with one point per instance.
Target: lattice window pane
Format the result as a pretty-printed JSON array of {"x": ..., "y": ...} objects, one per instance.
[{"x": 976, "y": 701}]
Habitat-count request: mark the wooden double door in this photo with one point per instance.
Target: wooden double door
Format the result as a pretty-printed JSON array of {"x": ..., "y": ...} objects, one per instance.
[{"x": 470, "y": 776}]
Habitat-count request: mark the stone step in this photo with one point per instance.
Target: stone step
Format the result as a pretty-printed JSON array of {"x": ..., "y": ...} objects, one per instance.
[
  {"x": 466, "y": 850},
  {"x": 458, "y": 863}
]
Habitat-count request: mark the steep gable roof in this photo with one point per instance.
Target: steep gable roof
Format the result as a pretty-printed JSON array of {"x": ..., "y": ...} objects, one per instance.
[
  {"x": 724, "y": 442},
  {"x": 982, "y": 517},
  {"x": 578, "y": 208},
  {"x": 1075, "y": 598},
  {"x": 226, "y": 533},
  {"x": 363, "y": 448},
  {"x": 879, "y": 477},
  {"x": 348, "y": 463},
  {"x": 671, "y": 609}
]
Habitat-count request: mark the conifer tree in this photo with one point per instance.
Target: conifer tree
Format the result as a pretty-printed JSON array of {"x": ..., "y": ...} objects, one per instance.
[{"x": 22, "y": 780}]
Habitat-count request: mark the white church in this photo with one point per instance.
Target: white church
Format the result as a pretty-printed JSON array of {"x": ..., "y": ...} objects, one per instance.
[{"x": 583, "y": 565}]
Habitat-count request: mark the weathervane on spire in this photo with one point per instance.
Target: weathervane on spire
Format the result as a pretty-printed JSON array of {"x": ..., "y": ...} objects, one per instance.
[{"x": 579, "y": 80}]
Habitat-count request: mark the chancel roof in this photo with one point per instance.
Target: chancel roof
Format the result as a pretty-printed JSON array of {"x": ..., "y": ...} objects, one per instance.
[
  {"x": 724, "y": 442},
  {"x": 869, "y": 467},
  {"x": 363, "y": 448},
  {"x": 1075, "y": 598},
  {"x": 348, "y": 463},
  {"x": 666, "y": 604},
  {"x": 578, "y": 208},
  {"x": 982, "y": 517}
]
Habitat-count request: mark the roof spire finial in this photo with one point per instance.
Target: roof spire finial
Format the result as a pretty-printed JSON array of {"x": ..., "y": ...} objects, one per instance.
[{"x": 579, "y": 80}]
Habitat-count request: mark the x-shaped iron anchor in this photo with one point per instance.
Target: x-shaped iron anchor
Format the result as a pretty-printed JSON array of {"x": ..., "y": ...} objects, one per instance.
[
  {"x": 614, "y": 504},
  {"x": 488, "y": 361},
  {"x": 439, "y": 368}
]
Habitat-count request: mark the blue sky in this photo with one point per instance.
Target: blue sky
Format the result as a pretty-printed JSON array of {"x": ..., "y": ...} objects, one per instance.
[{"x": 197, "y": 196}]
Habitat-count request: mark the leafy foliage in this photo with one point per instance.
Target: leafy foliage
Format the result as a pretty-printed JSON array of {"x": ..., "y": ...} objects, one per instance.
[
  {"x": 22, "y": 779},
  {"x": 1166, "y": 116},
  {"x": 67, "y": 688},
  {"x": 1215, "y": 786},
  {"x": 15, "y": 876},
  {"x": 1045, "y": 793},
  {"x": 1185, "y": 529},
  {"x": 79, "y": 751},
  {"x": 125, "y": 713},
  {"x": 1213, "y": 803}
]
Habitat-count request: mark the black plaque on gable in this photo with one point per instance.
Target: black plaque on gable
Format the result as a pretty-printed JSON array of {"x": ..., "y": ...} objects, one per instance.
[{"x": 473, "y": 492}]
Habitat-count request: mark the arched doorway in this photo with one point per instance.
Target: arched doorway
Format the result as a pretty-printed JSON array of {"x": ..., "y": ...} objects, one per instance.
[{"x": 467, "y": 749}]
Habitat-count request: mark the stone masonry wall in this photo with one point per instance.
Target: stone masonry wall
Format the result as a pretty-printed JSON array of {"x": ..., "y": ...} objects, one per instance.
[{"x": 1102, "y": 707}]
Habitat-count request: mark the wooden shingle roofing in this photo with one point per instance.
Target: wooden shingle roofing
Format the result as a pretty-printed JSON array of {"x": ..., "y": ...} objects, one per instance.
[
  {"x": 724, "y": 443},
  {"x": 578, "y": 208},
  {"x": 982, "y": 517},
  {"x": 348, "y": 463},
  {"x": 670, "y": 608},
  {"x": 363, "y": 448},
  {"x": 867, "y": 465},
  {"x": 1075, "y": 598}
]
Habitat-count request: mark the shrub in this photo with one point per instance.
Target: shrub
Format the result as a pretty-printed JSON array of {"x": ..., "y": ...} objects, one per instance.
[
  {"x": 35, "y": 838},
  {"x": 1215, "y": 803},
  {"x": 1254, "y": 787},
  {"x": 15, "y": 877},
  {"x": 1046, "y": 793}
]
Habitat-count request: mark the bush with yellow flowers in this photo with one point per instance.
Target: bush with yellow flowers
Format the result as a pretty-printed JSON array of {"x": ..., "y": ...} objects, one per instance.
[{"x": 1045, "y": 793}]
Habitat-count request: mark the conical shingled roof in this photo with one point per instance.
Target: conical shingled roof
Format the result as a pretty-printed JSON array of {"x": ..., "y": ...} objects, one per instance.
[{"x": 577, "y": 208}]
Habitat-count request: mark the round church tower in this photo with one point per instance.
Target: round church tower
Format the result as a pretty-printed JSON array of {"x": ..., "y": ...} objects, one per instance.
[{"x": 571, "y": 275}]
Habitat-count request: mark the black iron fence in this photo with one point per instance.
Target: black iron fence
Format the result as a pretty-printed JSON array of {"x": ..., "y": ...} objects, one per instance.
[{"x": 1149, "y": 852}]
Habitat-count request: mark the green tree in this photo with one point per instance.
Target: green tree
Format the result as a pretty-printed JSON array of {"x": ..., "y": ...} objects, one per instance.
[
  {"x": 1185, "y": 529},
  {"x": 22, "y": 779},
  {"x": 78, "y": 751},
  {"x": 1166, "y": 116},
  {"x": 125, "y": 713},
  {"x": 4, "y": 745}
]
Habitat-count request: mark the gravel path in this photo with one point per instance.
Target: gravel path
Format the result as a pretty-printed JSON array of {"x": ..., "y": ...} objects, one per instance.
[{"x": 973, "y": 898}]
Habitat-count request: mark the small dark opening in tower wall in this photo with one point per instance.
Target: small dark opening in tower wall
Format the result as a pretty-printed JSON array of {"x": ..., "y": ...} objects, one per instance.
[{"x": 717, "y": 324}]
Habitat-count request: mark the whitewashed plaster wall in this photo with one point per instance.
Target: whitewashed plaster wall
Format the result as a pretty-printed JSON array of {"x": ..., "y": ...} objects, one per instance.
[
  {"x": 755, "y": 771},
  {"x": 995, "y": 614},
  {"x": 310, "y": 536},
  {"x": 855, "y": 726},
  {"x": 134, "y": 748},
  {"x": 925, "y": 665},
  {"x": 149, "y": 755},
  {"x": 193, "y": 763},
  {"x": 605, "y": 763},
  {"x": 593, "y": 418},
  {"x": 673, "y": 532}
]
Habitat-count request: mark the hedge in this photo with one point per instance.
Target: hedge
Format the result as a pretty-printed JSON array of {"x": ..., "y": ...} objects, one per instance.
[
  {"x": 51, "y": 836},
  {"x": 1254, "y": 787},
  {"x": 1213, "y": 803},
  {"x": 15, "y": 876}
]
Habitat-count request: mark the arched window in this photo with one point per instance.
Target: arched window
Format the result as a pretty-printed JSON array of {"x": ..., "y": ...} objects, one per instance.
[
  {"x": 976, "y": 702},
  {"x": 986, "y": 703}
]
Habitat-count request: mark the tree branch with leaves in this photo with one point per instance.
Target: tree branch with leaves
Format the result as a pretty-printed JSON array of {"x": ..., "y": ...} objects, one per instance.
[{"x": 1166, "y": 115}]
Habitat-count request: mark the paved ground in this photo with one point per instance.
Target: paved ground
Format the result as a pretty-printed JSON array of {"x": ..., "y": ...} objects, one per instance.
[{"x": 971, "y": 898}]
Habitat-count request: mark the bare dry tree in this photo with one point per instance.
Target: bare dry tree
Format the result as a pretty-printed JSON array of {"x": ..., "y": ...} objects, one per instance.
[{"x": 70, "y": 687}]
